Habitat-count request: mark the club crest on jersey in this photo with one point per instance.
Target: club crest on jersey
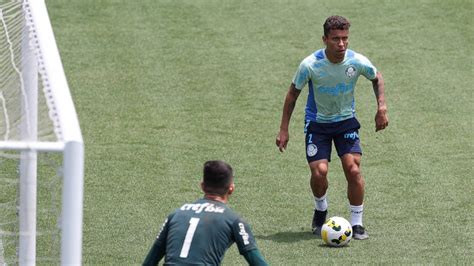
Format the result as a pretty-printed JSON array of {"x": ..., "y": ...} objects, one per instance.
[
  {"x": 311, "y": 150},
  {"x": 350, "y": 71}
]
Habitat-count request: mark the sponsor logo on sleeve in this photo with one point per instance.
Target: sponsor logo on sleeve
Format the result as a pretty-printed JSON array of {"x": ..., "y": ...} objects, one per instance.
[{"x": 244, "y": 234}]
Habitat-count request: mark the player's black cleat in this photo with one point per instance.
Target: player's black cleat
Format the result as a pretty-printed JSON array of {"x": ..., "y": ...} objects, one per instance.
[
  {"x": 359, "y": 233},
  {"x": 319, "y": 217}
]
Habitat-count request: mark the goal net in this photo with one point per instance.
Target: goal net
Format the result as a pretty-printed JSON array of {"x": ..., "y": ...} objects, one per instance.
[{"x": 41, "y": 147}]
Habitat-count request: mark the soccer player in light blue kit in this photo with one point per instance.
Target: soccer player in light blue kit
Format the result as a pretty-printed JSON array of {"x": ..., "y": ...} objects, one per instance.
[{"x": 331, "y": 75}]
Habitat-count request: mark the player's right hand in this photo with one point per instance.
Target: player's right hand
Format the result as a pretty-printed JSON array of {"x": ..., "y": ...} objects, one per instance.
[{"x": 282, "y": 140}]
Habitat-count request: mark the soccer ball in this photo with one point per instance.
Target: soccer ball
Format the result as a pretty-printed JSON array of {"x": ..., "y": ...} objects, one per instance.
[{"x": 336, "y": 232}]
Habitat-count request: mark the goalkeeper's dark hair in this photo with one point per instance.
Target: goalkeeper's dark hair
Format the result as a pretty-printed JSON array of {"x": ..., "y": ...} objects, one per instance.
[
  {"x": 335, "y": 23},
  {"x": 217, "y": 177}
]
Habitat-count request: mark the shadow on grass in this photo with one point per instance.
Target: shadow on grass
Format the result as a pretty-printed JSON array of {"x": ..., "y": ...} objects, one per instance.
[{"x": 289, "y": 237}]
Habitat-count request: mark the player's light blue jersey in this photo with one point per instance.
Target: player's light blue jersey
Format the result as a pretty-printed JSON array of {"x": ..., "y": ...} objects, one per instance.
[{"x": 331, "y": 86}]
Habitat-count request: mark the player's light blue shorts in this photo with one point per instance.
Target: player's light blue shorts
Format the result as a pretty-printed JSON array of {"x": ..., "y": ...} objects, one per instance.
[{"x": 319, "y": 137}]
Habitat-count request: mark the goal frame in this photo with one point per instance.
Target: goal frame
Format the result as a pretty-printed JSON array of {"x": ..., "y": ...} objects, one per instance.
[{"x": 70, "y": 143}]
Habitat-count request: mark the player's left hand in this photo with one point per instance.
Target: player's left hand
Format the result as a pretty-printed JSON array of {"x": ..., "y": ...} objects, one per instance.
[{"x": 381, "y": 119}]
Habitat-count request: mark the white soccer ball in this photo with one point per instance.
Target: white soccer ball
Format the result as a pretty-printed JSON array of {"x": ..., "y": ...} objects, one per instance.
[{"x": 336, "y": 232}]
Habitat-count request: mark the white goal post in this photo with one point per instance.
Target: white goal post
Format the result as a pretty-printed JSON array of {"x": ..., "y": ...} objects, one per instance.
[{"x": 37, "y": 78}]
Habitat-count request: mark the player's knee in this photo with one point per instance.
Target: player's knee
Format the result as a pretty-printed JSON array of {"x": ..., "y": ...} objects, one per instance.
[
  {"x": 355, "y": 172},
  {"x": 354, "y": 175},
  {"x": 319, "y": 171}
]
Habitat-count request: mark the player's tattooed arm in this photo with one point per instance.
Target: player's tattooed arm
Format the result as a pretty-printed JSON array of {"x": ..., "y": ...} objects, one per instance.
[{"x": 381, "y": 119}]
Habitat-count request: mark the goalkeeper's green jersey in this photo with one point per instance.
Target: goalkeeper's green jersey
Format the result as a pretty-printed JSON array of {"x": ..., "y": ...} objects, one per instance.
[{"x": 199, "y": 233}]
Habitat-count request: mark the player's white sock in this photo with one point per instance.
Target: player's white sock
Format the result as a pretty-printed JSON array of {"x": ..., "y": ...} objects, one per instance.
[
  {"x": 356, "y": 214},
  {"x": 321, "y": 204}
]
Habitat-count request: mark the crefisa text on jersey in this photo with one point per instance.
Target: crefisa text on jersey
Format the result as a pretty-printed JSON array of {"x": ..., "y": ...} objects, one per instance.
[
  {"x": 199, "y": 207},
  {"x": 244, "y": 234}
]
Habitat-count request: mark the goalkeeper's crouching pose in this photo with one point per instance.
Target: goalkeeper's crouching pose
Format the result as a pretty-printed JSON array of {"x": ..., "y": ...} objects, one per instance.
[{"x": 201, "y": 232}]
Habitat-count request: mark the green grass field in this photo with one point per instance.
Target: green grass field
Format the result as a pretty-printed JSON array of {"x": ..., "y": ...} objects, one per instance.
[{"x": 162, "y": 86}]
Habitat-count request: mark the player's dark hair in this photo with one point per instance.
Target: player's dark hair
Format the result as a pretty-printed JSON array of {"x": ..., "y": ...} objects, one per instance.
[
  {"x": 335, "y": 23},
  {"x": 217, "y": 177}
]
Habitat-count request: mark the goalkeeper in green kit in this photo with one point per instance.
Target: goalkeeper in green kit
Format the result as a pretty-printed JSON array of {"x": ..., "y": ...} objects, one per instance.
[{"x": 199, "y": 233}]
